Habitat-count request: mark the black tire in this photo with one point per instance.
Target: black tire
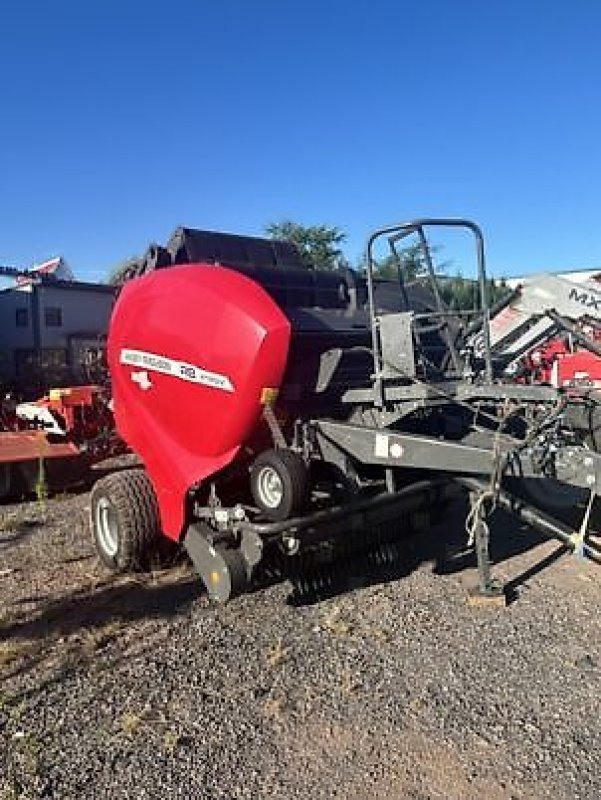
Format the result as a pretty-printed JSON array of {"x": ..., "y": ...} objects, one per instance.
[
  {"x": 224, "y": 571},
  {"x": 231, "y": 572},
  {"x": 125, "y": 520},
  {"x": 288, "y": 474}
]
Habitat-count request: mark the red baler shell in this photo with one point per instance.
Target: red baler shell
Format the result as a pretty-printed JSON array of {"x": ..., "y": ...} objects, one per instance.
[{"x": 213, "y": 320}]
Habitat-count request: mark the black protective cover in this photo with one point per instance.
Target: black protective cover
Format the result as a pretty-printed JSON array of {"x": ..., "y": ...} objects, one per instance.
[{"x": 327, "y": 309}]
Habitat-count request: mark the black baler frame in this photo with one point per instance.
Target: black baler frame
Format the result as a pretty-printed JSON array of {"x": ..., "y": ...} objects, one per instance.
[
  {"x": 377, "y": 441},
  {"x": 397, "y": 233}
]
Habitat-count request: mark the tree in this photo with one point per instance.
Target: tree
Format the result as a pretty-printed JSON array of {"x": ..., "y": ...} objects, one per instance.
[
  {"x": 413, "y": 264},
  {"x": 457, "y": 292},
  {"x": 463, "y": 294},
  {"x": 120, "y": 273},
  {"x": 319, "y": 245}
]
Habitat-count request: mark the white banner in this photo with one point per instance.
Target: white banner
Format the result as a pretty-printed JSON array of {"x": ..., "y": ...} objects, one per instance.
[{"x": 177, "y": 369}]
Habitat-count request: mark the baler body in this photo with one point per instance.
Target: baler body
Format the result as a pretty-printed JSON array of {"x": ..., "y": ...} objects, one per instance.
[
  {"x": 277, "y": 408},
  {"x": 247, "y": 328},
  {"x": 191, "y": 351}
]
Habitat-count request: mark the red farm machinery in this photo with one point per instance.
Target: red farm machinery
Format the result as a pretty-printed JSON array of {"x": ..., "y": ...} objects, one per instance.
[
  {"x": 548, "y": 331},
  {"x": 278, "y": 410},
  {"x": 52, "y": 442}
]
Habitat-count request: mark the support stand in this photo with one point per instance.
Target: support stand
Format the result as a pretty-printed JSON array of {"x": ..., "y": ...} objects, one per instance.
[{"x": 489, "y": 590}]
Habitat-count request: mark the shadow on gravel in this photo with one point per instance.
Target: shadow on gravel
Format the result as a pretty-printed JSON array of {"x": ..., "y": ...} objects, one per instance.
[
  {"x": 19, "y": 531},
  {"x": 444, "y": 546},
  {"x": 67, "y": 479},
  {"x": 110, "y": 604},
  {"x": 512, "y": 587},
  {"x": 508, "y": 538}
]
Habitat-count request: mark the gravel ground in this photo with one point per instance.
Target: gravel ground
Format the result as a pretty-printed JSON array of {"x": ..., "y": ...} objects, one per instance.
[{"x": 394, "y": 688}]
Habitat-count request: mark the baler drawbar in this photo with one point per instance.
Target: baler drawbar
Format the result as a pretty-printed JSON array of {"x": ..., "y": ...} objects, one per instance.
[{"x": 278, "y": 409}]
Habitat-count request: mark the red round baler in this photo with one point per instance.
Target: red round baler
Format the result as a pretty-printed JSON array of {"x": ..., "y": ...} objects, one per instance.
[{"x": 192, "y": 352}]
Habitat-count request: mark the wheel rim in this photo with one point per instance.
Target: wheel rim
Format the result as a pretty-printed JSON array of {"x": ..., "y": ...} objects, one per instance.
[
  {"x": 270, "y": 486},
  {"x": 107, "y": 528}
]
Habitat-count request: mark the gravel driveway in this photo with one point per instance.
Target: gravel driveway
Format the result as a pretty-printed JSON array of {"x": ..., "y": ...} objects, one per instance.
[{"x": 394, "y": 688}]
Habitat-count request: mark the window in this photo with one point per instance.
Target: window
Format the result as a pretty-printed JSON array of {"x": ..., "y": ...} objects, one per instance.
[
  {"x": 25, "y": 362},
  {"x": 53, "y": 317},
  {"x": 33, "y": 363},
  {"x": 53, "y": 358},
  {"x": 22, "y": 317}
]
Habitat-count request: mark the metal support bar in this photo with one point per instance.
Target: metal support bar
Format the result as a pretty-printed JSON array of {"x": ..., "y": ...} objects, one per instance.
[
  {"x": 535, "y": 518},
  {"x": 489, "y": 591},
  {"x": 481, "y": 533},
  {"x": 391, "y": 449},
  {"x": 453, "y": 391},
  {"x": 398, "y": 232},
  {"x": 562, "y": 322},
  {"x": 446, "y": 334},
  {"x": 274, "y": 426},
  {"x": 499, "y": 391},
  {"x": 430, "y": 491}
]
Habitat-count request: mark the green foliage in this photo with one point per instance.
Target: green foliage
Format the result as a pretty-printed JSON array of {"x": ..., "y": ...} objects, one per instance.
[
  {"x": 116, "y": 276},
  {"x": 319, "y": 245},
  {"x": 463, "y": 294},
  {"x": 458, "y": 292},
  {"x": 411, "y": 264}
]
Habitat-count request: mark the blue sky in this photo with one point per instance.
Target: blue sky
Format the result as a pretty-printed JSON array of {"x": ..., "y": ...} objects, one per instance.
[{"x": 121, "y": 120}]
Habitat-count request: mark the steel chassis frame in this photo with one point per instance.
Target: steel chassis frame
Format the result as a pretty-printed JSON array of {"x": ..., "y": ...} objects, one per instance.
[{"x": 443, "y": 462}]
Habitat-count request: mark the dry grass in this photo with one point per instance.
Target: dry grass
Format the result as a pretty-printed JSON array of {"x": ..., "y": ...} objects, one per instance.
[
  {"x": 14, "y": 651},
  {"x": 7, "y": 572},
  {"x": 130, "y": 723},
  {"x": 417, "y": 704},
  {"x": 171, "y": 740},
  {"x": 161, "y": 574},
  {"x": 59, "y": 652},
  {"x": 155, "y": 724},
  {"x": 376, "y": 632},
  {"x": 14, "y": 520},
  {"x": 334, "y": 624},
  {"x": 82, "y": 648},
  {"x": 274, "y": 707},
  {"x": 94, "y": 639},
  {"x": 349, "y": 682},
  {"x": 277, "y": 655},
  {"x": 61, "y": 497}
]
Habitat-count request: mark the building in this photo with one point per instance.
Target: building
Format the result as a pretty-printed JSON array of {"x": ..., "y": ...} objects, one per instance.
[
  {"x": 52, "y": 331},
  {"x": 53, "y": 268}
]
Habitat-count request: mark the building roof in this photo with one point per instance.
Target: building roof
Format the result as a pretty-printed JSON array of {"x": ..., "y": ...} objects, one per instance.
[
  {"x": 55, "y": 267},
  {"x": 55, "y": 283}
]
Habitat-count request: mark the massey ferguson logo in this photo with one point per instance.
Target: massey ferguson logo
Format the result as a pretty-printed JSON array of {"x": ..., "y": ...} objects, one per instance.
[
  {"x": 586, "y": 299},
  {"x": 151, "y": 362}
]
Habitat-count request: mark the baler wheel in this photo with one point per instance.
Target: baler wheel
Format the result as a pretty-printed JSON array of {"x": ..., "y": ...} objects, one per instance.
[
  {"x": 125, "y": 519},
  {"x": 229, "y": 576},
  {"x": 278, "y": 482},
  {"x": 223, "y": 569}
]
